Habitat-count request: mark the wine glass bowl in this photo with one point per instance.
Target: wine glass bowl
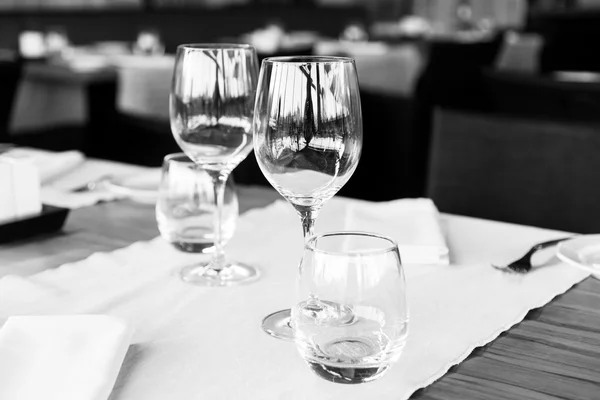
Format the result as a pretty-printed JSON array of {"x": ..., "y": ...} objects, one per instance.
[
  {"x": 211, "y": 104},
  {"x": 350, "y": 320},
  {"x": 212, "y": 101},
  {"x": 308, "y": 126}
]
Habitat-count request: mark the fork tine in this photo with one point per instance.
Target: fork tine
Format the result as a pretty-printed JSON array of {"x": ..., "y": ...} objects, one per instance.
[{"x": 523, "y": 264}]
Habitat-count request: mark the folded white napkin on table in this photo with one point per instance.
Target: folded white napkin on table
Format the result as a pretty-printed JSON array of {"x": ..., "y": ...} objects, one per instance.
[
  {"x": 50, "y": 165},
  {"x": 62, "y": 173},
  {"x": 61, "y": 357},
  {"x": 413, "y": 223}
]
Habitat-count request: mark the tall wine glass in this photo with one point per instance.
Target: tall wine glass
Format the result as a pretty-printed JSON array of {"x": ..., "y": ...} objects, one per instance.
[
  {"x": 307, "y": 137},
  {"x": 212, "y": 99}
]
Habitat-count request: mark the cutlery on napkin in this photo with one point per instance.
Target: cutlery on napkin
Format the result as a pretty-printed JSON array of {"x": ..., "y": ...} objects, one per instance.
[
  {"x": 413, "y": 223},
  {"x": 61, "y": 173},
  {"x": 66, "y": 357}
]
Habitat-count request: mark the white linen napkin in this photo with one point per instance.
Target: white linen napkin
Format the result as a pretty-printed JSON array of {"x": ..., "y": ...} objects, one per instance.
[
  {"x": 61, "y": 173},
  {"x": 60, "y": 192},
  {"x": 413, "y": 223},
  {"x": 61, "y": 357},
  {"x": 50, "y": 165}
]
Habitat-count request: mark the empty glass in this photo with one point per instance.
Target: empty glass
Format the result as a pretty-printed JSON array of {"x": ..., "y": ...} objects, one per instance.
[
  {"x": 307, "y": 137},
  {"x": 211, "y": 105},
  {"x": 350, "y": 320},
  {"x": 186, "y": 206}
]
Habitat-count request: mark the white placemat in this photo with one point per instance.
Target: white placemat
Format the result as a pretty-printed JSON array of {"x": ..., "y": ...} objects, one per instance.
[{"x": 206, "y": 343}]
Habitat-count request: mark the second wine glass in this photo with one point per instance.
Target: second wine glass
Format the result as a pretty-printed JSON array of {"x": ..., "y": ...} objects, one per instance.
[
  {"x": 307, "y": 137},
  {"x": 212, "y": 98}
]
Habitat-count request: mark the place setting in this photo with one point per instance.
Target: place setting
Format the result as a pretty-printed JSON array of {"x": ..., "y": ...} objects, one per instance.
[{"x": 313, "y": 295}]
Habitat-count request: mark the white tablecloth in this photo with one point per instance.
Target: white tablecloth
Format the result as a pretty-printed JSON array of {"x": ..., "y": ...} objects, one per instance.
[{"x": 205, "y": 343}]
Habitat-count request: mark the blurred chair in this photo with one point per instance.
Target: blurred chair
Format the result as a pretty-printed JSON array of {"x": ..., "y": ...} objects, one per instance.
[
  {"x": 10, "y": 74},
  {"x": 451, "y": 79},
  {"x": 144, "y": 84},
  {"x": 137, "y": 129},
  {"x": 556, "y": 96},
  {"x": 570, "y": 38},
  {"x": 387, "y": 75},
  {"x": 517, "y": 170},
  {"x": 520, "y": 52},
  {"x": 384, "y": 171},
  {"x": 53, "y": 106}
]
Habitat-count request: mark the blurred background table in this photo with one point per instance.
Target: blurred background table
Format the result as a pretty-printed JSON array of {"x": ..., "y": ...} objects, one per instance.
[
  {"x": 493, "y": 58},
  {"x": 54, "y": 95}
]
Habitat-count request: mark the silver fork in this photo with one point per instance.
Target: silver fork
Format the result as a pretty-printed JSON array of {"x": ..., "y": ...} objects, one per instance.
[
  {"x": 92, "y": 185},
  {"x": 523, "y": 264}
]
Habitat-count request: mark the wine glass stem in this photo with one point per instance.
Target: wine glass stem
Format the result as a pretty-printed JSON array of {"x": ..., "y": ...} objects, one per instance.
[
  {"x": 308, "y": 216},
  {"x": 219, "y": 181}
]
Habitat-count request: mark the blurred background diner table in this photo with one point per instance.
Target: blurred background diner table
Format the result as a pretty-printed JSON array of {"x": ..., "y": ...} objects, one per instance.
[
  {"x": 491, "y": 108},
  {"x": 89, "y": 77}
]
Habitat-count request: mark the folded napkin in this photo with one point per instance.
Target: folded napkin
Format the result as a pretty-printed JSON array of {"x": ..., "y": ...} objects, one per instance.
[
  {"x": 139, "y": 184},
  {"x": 51, "y": 165},
  {"x": 413, "y": 223},
  {"x": 61, "y": 190},
  {"x": 62, "y": 357}
]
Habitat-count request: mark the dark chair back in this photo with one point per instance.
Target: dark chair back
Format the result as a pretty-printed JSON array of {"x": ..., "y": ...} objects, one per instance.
[
  {"x": 385, "y": 170},
  {"x": 10, "y": 74},
  {"x": 451, "y": 79},
  {"x": 539, "y": 96},
  {"x": 524, "y": 171}
]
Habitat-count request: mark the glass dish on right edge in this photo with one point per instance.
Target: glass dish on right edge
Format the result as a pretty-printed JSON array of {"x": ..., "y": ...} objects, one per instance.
[{"x": 583, "y": 252}]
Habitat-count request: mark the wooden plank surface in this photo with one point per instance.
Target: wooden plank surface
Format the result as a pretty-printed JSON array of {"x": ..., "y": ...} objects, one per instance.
[{"x": 553, "y": 354}]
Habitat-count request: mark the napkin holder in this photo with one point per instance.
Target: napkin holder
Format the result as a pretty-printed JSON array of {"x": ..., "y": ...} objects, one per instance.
[{"x": 50, "y": 219}]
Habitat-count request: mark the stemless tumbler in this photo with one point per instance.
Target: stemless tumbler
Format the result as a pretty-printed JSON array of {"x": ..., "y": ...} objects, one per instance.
[
  {"x": 357, "y": 274},
  {"x": 185, "y": 207}
]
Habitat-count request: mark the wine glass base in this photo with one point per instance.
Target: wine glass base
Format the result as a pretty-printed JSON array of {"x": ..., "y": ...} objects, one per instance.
[
  {"x": 278, "y": 325},
  {"x": 232, "y": 274}
]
